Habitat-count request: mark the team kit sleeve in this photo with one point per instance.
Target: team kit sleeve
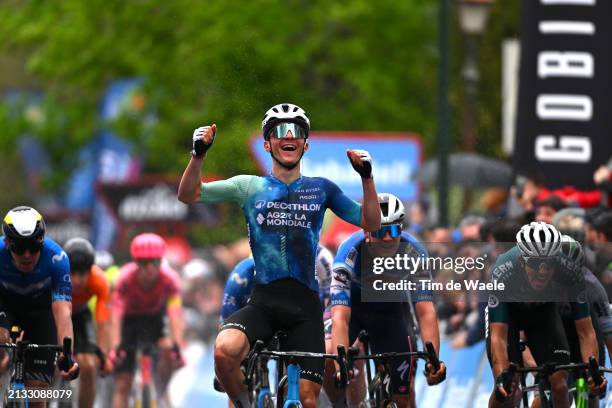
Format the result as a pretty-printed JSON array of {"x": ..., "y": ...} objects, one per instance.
[
  {"x": 345, "y": 208},
  {"x": 496, "y": 311},
  {"x": 61, "y": 283},
  {"x": 234, "y": 189},
  {"x": 342, "y": 272}
]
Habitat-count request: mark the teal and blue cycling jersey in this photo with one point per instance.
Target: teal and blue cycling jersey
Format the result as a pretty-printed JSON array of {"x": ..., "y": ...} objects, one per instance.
[
  {"x": 51, "y": 274},
  {"x": 240, "y": 282},
  {"x": 346, "y": 271},
  {"x": 284, "y": 221}
]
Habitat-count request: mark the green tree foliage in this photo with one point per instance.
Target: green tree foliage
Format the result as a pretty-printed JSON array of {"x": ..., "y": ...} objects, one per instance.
[{"x": 354, "y": 65}]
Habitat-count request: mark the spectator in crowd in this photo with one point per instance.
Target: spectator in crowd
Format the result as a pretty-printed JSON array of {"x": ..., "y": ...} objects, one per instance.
[
  {"x": 418, "y": 217},
  {"x": 590, "y": 235},
  {"x": 469, "y": 227},
  {"x": 571, "y": 221},
  {"x": 503, "y": 234},
  {"x": 547, "y": 208},
  {"x": 528, "y": 191},
  {"x": 202, "y": 296},
  {"x": 602, "y": 226},
  {"x": 494, "y": 202}
]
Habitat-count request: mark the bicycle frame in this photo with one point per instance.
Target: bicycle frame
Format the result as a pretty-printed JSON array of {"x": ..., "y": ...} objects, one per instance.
[
  {"x": 263, "y": 390},
  {"x": 543, "y": 386},
  {"x": 376, "y": 391},
  {"x": 293, "y": 385},
  {"x": 292, "y": 379},
  {"x": 146, "y": 397}
]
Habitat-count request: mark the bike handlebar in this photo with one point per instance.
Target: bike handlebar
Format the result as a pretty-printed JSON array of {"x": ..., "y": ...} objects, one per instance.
[
  {"x": 342, "y": 362},
  {"x": 432, "y": 356},
  {"x": 592, "y": 366},
  {"x": 594, "y": 371},
  {"x": 65, "y": 349}
]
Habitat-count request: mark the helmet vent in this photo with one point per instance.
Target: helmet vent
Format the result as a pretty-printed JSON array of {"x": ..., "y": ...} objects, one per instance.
[{"x": 384, "y": 209}]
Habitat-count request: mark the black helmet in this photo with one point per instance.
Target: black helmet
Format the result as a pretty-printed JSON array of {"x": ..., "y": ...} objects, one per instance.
[
  {"x": 80, "y": 253},
  {"x": 23, "y": 224}
]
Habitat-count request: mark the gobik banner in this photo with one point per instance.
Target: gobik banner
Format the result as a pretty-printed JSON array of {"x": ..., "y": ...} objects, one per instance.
[{"x": 564, "y": 129}]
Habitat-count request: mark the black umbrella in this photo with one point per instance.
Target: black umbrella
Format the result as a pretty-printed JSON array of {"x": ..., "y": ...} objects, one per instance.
[{"x": 469, "y": 170}]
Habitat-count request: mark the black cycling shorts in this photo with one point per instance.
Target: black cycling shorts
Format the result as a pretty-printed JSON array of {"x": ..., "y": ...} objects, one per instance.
[
  {"x": 388, "y": 332},
  {"x": 544, "y": 334},
  {"x": 289, "y": 306},
  {"x": 38, "y": 325},
  {"x": 84, "y": 332},
  {"x": 138, "y": 331}
]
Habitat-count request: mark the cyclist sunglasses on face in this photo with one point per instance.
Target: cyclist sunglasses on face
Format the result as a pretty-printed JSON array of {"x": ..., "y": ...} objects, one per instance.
[
  {"x": 534, "y": 262},
  {"x": 20, "y": 247},
  {"x": 288, "y": 130},
  {"x": 145, "y": 262},
  {"x": 394, "y": 230}
]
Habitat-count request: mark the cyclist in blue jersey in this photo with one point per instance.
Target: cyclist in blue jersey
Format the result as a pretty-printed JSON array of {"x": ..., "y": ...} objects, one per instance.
[
  {"x": 35, "y": 291},
  {"x": 389, "y": 324},
  {"x": 284, "y": 213},
  {"x": 240, "y": 282}
]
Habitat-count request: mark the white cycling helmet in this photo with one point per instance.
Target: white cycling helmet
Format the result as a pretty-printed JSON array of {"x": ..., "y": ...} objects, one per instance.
[
  {"x": 284, "y": 112},
  {"x": 391, "y": 209},
  {"x": 538, "y": 239},
  {"x": 572, "y": 250}
]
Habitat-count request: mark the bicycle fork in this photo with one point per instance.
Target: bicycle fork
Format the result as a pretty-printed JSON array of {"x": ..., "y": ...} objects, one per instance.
[{"x": 293, "y": 385}]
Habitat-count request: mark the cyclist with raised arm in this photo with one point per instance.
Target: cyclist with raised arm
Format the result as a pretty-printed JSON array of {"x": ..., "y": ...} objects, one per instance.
[
  {"x": 146, "y": 292},
  {"x": 284, "y": 213},
  {"x": 532, "y": 266},
  {"x": 88, "y": 281},
  {"x": 386, "y": 322},
  {"x": 35, "y": 293}
]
